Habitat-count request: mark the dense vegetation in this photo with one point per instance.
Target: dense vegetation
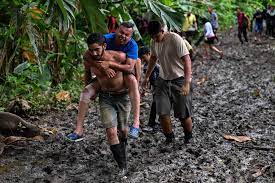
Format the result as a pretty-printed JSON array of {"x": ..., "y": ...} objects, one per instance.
[{"x": 42, "y": 41}]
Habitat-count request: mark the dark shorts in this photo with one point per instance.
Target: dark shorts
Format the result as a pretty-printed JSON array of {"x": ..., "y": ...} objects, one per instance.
[
  {"x": 190, "y": 33},
  {"x": 114, "y": 109},
  {"x": 168, "y": 95},
  {"x": 210, "y": 40}
]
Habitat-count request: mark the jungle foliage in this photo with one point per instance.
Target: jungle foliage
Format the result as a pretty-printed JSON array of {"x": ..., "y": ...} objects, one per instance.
[{"x": 42, "y": 41}]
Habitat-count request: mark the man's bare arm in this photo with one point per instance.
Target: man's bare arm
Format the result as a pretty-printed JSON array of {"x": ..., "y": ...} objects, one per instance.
[
  {"x": 187, "y": 68},
  {"x": 138, "y": 70},
  {"x": 127, "y": 67},
  {"x": 187, "y": 74},
  {"x": 87, "y": 74},
  {"x": 151, "y": 65}
]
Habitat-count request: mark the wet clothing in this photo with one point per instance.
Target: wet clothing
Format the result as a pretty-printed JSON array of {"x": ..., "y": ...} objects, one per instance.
[
  {"x": 168, "y": 94},
  {"x": 168, "y": 89},
  {"x": 114, "y": 109},
  {"x": 130, "y": 49},
  {"x": 169, "y": 53}
]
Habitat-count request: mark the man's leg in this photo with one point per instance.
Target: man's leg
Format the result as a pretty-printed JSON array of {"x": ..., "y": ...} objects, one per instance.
[
  {"x": 131, "y": 83},
  {"x": 216, "y": 37},
  {"x": 245, "y": 34},
  {"x": 88, "y": 93},
  {"x": 118, "y": 149},
  {"x": 240, "y": 34},
  {"x": 216, "y": 50},
  {"x": 163, "y": 108},
  {"x": 187, "y": 128},
  {"x": 206, "y": 53},
  {"x": 183, "y": 108},
  {"x": 166, "y": 125},
  {"x": 153, "y": 114}
]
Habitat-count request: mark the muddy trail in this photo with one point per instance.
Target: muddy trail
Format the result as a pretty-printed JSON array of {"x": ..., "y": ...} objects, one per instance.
[{"x": 233, "y": 96}]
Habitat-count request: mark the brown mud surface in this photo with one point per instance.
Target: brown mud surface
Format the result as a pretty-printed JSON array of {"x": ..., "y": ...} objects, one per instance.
[{"x": 236, "y": 97}]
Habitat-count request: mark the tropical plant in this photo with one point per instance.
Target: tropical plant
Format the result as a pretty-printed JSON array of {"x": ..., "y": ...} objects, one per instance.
[{"x": 42, "y": 41}]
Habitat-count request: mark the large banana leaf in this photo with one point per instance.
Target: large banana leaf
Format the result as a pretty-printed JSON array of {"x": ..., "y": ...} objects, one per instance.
[
  {"x": 61, "y": 10},
  {"x": 164, "y": 12},
  {"x": 95, "y": 17}
]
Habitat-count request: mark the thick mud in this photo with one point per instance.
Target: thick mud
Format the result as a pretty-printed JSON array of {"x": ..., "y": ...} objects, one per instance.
[{"x": 236, "y": 96}]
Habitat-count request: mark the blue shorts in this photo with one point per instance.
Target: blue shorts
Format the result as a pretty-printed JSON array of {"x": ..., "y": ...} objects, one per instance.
[
  {"x": 258, "y": 27},
  {"x": 114, "y": 110}
]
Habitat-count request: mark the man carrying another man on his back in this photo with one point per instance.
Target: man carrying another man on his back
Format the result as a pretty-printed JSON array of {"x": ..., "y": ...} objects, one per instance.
[
  {"x": 113, "y": 97},
  {"x": 119, "y": 41}
]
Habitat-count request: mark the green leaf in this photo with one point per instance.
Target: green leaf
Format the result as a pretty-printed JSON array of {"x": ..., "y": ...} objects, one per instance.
[
  {"x": 21, "y": 67},
  {"x": 62, "y": 8},
  {"x": 95, "y": 18},
  {"x": 30, "y": 32}
]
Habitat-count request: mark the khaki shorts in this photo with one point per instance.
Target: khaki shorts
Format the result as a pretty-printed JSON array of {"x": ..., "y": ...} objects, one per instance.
[
  {"x": 168, "y": 95},
  {"x": 114, "y": 109}
]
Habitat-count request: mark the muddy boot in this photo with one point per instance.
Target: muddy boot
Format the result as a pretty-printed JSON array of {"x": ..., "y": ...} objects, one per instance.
[
  {"x": 187, "y": 137},
  {"x": 170, "y": 137},
  {"x": 119, "y": 154},
  {"x": 123, "y": 169}
]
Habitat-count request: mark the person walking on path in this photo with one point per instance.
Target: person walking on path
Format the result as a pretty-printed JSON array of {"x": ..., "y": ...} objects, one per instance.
[
  {"x": 243, "y": 25},
  {"x": 190, "y": 26},
  {"x": 272, "y": 20},
  {"x": 173, "y": 87},
  {"x": 214, "y": 21},
  {"x": 209, "y": 38},
  {"x": 145, "y": 55},
  {"x": 114, "y": 101},
  {"x": 119, "y": 41},
  {"x": 268, "y": 21},
  {"x": 258, "y": 26}
]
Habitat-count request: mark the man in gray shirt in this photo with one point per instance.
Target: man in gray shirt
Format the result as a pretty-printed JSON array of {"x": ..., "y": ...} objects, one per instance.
[{"x": 173, "y": 87}]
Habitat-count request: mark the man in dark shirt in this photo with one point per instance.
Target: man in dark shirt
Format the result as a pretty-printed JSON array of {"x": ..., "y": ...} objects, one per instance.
[{"x": 258, "y": 26}]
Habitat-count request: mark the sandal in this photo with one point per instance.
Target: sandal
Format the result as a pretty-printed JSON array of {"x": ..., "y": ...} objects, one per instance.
[{"x": 74, "y": 137}]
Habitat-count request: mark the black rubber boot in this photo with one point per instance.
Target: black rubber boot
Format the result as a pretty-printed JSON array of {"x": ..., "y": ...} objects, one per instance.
[
  {"x": 119, "y": 153},
  {"x": 170, "y": 137},
  {"x": 187, "y": 137},
  {"x": 123, "y": 169}
]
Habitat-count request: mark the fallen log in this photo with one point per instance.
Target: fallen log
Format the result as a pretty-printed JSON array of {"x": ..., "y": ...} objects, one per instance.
[{"x": 10, "y": 122}]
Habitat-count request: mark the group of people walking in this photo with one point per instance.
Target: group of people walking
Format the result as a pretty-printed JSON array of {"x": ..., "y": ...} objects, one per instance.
[
  {"x": 115, "y": 61},
  {"x": 112, "y": 58}
]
